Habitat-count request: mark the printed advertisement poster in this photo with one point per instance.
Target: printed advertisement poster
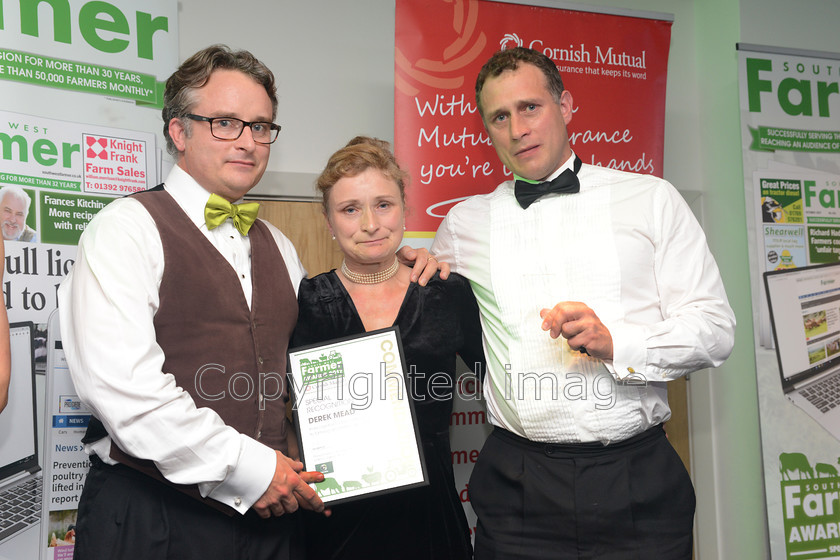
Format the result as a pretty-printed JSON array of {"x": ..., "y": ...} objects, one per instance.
[
  {"x": 614, "y": 67},
  {"x": 790, "y": 127},
  {"x": 65, "y": 473},
  {"x": 59, "y": 176},
  {"x": 96, "y": 62},
  {"x": 81, "y": 84}
]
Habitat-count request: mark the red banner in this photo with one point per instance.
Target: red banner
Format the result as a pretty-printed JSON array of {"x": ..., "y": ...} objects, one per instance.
[{"x": 614, "y": 66}]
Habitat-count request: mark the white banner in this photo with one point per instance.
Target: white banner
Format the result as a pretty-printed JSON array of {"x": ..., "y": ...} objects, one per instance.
[{"x": 81, "y": 84}]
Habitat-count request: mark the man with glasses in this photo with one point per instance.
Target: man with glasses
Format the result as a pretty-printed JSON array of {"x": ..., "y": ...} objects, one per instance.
[
  {"x": 175, "y": 321},
  {"x": 176, "y": 342}
]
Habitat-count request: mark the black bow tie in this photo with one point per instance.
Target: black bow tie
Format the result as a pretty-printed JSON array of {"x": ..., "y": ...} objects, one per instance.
[{"x": 567, "y": 183}]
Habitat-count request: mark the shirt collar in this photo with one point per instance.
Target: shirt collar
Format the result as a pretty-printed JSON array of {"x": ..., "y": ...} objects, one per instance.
[
  {"x": 569, "y": 164},
  {"x": 190, "y": 196}
]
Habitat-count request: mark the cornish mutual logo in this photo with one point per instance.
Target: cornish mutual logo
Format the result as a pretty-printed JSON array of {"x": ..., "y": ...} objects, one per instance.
[
  {"x": 510, "y": 40},
  {"x": 322, "y": 368}
]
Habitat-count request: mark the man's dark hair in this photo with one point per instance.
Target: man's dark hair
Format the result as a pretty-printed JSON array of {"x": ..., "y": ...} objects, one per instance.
[{"x": 510, "y": 59}]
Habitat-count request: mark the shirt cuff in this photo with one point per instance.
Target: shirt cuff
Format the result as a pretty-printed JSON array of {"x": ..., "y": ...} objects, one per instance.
[
  {"x": 629, "y": 353},
  {"x": 249, "y": 480}
]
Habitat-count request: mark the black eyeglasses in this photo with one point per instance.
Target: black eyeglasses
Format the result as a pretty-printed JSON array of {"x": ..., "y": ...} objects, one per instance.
[{"x": 229, "y": 128}]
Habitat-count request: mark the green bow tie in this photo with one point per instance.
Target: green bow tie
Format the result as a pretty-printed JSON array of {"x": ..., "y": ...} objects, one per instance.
[{"x": 218, "y": 210}]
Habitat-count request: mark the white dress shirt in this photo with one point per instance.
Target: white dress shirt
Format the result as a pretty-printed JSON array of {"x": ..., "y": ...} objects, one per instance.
[
  {"x": 627, "y": 246},
  {"x": 107, "y": 306}
]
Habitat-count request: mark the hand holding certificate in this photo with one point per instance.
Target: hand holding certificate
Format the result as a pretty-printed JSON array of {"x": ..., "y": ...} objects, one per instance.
[{"x": 355, "y": 417}]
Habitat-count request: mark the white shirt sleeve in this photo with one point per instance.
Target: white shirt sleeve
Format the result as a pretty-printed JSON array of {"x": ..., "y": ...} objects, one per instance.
[
  {"x": 443, "y": 246},
  {"x": 107, "y": 306},
  {"x": 696, "y": 326}
]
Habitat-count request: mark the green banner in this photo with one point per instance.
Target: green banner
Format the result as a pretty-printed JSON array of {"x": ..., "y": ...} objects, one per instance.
[
  {"x": 65, "y": 216},
  {"x": 824, "y": 246},
  {"x": 26, "y": 180},
  {"x": 37, "y": 69},
  {"x": 810, "y": 508},
  {"x": 795, "y": 140}
]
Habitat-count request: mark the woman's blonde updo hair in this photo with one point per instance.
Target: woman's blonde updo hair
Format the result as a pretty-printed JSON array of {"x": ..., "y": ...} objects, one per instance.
[{"x": 361, "y": 153}]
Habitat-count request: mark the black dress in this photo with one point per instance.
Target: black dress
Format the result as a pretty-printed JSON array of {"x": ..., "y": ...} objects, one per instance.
[{"x": 428, "y": 523}]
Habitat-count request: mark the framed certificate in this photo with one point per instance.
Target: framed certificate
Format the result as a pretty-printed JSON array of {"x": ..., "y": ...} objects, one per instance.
[{"x": 354, "y": 416}]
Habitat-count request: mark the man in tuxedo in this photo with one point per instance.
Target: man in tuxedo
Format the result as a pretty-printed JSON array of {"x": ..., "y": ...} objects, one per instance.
[{"x": 596, "y": 288}]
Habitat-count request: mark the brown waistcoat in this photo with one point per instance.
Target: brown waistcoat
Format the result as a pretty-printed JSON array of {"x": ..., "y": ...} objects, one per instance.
[{"x": 228, "y": 357}]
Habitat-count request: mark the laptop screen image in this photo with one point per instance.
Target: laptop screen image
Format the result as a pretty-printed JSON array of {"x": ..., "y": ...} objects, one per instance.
[
  {"x": 18, "y": 445},
  {"x": 805, "y": 316}
]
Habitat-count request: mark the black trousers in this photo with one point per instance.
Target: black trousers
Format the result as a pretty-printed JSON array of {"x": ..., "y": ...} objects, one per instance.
[
  {"x": 632, "y": 500},
  {"x": 127, "y": 515}
]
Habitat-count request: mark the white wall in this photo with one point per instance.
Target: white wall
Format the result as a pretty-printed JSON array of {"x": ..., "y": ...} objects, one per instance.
[
  {"x": 805, "y": 24},
  {"x": 334, "y": 63}
]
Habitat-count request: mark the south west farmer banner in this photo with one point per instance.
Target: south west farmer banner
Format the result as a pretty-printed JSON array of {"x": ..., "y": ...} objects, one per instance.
[
  {"x": 614, "y": 67},
  {"x": 790, "y": 128},
  {"x": 67, "y": 171},
  {"x": 81, "y": 85},
  {"x": 81, "y": 89}
]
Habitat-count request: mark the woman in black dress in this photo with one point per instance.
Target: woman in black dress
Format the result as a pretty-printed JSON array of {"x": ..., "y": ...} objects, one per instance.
[{"x": 364, "y": 201}]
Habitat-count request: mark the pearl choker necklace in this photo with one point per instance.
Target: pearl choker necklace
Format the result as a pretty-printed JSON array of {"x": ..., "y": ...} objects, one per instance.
[{"x": 372, "y": 278}]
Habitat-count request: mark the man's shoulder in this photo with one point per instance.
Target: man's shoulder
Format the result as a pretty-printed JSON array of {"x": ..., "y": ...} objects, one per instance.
[
  {"x": 139, "y": 195},
  {"x": 608, "y": 177},
  {"x": 120, "y": 217},
  {"x": 118, "y": 207},
  {"x": 481, "y": 202}
]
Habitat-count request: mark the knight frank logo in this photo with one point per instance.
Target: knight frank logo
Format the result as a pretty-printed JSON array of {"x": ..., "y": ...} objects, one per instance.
[
  {"x": 323, "y": 368},
  {"x": 96, "y": 147}
]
